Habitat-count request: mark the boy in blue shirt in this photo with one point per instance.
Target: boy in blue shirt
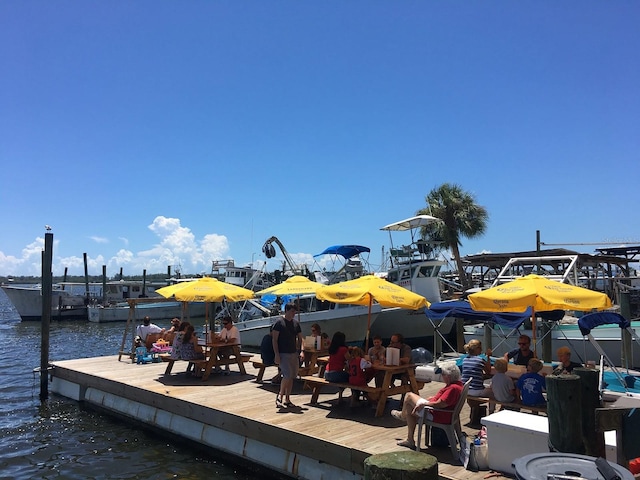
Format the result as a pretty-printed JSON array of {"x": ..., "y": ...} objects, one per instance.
[{"x": 531, "y": 385}]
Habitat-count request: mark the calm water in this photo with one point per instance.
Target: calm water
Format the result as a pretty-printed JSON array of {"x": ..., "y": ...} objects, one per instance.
[{"x": 60, "y": 439}]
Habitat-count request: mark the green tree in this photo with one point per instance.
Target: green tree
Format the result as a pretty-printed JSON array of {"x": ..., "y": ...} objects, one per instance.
[{"x": 461, "y": 217}]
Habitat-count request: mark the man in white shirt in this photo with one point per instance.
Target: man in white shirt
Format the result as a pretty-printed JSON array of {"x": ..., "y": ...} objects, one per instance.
[
  {"x": 147, "y": 328},
  {"x": 228, "y": 334}
]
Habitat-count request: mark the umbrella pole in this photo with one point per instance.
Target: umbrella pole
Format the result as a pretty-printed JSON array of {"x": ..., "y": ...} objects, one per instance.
[
  {"x": 366, "y": 342},
  {"x": 206, "y": 319},
  {"x": 534, "y": 331}
]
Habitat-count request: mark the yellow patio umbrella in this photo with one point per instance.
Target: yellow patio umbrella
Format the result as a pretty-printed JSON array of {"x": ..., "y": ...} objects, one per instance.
[
  {"x": 296, "y": 285},
  {"x": 539, "y": 293},
  {"x": 369, "y": 288},
  {"x": 206, "y": 290}
]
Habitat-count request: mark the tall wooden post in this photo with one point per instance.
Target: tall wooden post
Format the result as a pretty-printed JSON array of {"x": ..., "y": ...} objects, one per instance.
[
  {"x": 564, "y": 409},
  {"x": 625, "y": 311},
  {"x": 593, "y": 441},
  {"x": 45, "y": 325},
  {"x": 86, "y": 281},
  {"x": 144, "y": 283},
  {"x": 104, "y": 284}
]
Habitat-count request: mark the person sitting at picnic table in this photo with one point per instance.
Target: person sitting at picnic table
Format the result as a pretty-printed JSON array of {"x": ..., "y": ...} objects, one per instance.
[
  {"x": 360, "y": 373},
  {"x": 396, "y": 341},
  {"x": 149, "y": 332},
  {"x": 566, "y": 365},
  {"x": 338, "y": 358},
  {"x": 531, "y": 385},
  {"x": 446, "y": 399},
  {"x": 228, "y": 334},
  {"x": 376, "y": 354},
  {"x": 186, "y": 346},
  {"x": 502, "y": 385},
  {"x": 475, "y": 367},
  {"x": 268, "y": 355},
  {"x": 170, "y": 334},
  {"x": 316, "y": 332},
  {"x": 523, "y": 353}
]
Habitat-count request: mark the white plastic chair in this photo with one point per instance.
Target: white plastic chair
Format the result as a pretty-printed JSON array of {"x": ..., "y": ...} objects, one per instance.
[{"x": 452, "y": 429}]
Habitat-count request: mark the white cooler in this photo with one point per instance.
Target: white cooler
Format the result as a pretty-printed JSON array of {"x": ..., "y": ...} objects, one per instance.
[
  {"x": 427, "y": 373},
  {"x": 512, "y": 435},
  {"x": 431, "y": 372}
]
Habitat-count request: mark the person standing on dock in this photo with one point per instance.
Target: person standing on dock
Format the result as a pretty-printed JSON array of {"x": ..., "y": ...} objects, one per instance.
[{"x": 287, "y": 343}]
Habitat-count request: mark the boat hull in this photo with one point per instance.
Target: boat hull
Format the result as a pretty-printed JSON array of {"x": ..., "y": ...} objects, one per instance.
[
  {"x": 155, "y": 311},
  {"x": 412, "y": 324},
  {"x": 28, "y": 302},
  {"x": 349, "y": 319}
]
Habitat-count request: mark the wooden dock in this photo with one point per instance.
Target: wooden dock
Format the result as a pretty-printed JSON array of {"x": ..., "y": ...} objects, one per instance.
[{"x": 236, "y": 415}]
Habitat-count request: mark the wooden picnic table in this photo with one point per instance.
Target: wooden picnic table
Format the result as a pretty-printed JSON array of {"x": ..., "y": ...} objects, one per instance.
[
  {"x": 211, "y": 352},
  {"x": 407, "y": 378},
  {"x": 311, "y": 366},
  {"x": 211, "y": 359},
  {"x": 408, "y": 383}
]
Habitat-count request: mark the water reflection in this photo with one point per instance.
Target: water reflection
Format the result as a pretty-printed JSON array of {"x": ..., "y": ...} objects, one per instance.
[{"x": 59, "y": 439}]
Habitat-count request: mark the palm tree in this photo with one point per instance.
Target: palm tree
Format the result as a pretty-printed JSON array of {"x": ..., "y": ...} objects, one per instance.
[{"x": 461, "y": 217}]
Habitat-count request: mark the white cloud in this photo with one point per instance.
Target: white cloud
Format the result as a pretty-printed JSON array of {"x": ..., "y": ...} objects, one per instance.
[
  {"x": 177, "y": 247},
  {"x": 28, "y": 263}
]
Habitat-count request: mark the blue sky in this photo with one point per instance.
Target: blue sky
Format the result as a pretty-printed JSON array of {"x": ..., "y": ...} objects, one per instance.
[{"x": 151, "y": 133}]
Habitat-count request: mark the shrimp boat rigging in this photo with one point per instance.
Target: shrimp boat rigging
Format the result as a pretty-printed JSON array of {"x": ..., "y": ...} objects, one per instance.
[
  {"x": 413, "y": 267},
  {"x": 254, "y": 317}
]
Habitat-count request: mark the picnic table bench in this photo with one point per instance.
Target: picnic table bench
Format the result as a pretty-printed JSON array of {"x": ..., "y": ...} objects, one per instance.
[
  {"x": 408, "y": 383},
  {"x": 475, "y": 402},
  {"x": 302, "y": 371}
]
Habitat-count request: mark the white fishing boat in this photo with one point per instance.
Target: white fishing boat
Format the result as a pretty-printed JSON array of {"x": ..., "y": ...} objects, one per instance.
[
  {"x": 70, "y": 300},
  {"x": 116, "y": 308},
  {"x": 346, "y": 263},
  {"x": 414, "y": 268},
  {"x": 27, "y": 300},
  {"x": 254, "y": 321},
  {"x": 120, "y": 312},
  {"x": 255, "y": 317},
  {"x": 246, "y": 276}
]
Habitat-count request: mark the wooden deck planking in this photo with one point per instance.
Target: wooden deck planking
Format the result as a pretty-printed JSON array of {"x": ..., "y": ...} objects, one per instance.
[{"x": 323, "y": 430}]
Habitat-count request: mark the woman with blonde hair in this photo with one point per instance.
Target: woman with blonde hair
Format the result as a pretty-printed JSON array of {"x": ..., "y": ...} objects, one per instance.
[{"x": 475, "y": 367}]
